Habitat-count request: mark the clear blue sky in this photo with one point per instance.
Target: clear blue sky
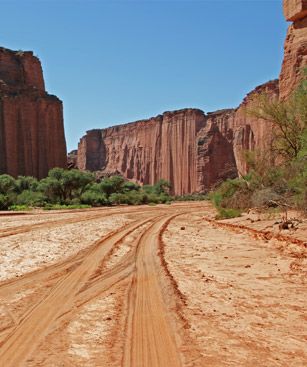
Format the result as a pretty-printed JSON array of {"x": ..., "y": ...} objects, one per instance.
[{"x": 119, "y": 61}]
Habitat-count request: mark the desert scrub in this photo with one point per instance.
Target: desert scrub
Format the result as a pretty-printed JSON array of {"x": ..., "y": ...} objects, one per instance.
[
  {"x": 17, "y": 208},
  {"x": 227, "y": 213},
  {"x": 59, "y": 206},
  {"x": 191, "y": 197},
  {"x": 73, "y": 189}
]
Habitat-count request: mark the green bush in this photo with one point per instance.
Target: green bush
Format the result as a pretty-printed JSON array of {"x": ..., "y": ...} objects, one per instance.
[
  {"x": 19, "y": 208},
  {"x": 64, "y": 206},
  {"x": 73, "y": 189},
  {"x": 112, "y": 185},
  {"x": 192, "y": 197},
  {"x": 31, "y": 198},
  {"x": 224, "y": 213},
  {"x": 6, "y": 201},
  {"x": 26, "y": 183},
  {"x": 94, "y": 198},
  {"x": 7, "y": 184}
]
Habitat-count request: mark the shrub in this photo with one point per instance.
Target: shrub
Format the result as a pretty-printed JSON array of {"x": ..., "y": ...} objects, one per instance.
[
  {"x": 72, "y": 189},
  {"x": 7, "y": 184},
  {"x": 224, "y": 213},
  {"x": 112, "y": 185},
  {"x": 94, "y": 198},
  {"x": 118, "y": 198},
  {"x": 30, "y": 198},
  {"x": 64, "y": 206},
  {"x": 288, "y": 118},
  {"x": 191, "y": 197},
  {"x": 6, "y": 201},
  {"x": 264, "y": 197},
  {"x": 130, "y": 186},
  {"x": 26, "y": 183},
  {"x": 19, "y": 208}
]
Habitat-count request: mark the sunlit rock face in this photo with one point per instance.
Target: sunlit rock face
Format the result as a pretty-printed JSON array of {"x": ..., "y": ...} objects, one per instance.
[
  {"x": 161, "y": 147},
  {"x": 193, "y": 150},
  {"x": 295, "y": 48},
  {"x": 31, "y": 121},
  {"x": 295, "y": 9}
]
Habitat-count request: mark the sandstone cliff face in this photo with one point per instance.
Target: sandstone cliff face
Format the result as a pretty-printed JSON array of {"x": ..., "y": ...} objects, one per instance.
[
  {"x": 192, "y": 150},
  {"x": 228, "y": 135},
  {"x": 295, "y": 56},
  {"x": 215, "y": 156},
  {"x": 147, "y": 150},
  {"x": 252, "y": 133},
  {"x": 32, "y": 137},
  {"x": 295, "y": 9}
]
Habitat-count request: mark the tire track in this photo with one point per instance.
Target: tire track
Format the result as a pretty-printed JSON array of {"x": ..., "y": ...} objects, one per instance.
[
  {"x": 11, "y": 231},
  {"x": 151, "y": 340},
  {"x": 36, "y": 323}
]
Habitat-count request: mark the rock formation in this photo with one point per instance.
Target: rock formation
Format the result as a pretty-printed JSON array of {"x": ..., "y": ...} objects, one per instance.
[
  {"x": 72, "y": 157},
  {"x": 161, "y": 147},
  {"x": 191, "y": 149},
  {"x": 295, "y": 9},
  {"x": 295, "y": 57},
  {"x": 31, "y": 121}
]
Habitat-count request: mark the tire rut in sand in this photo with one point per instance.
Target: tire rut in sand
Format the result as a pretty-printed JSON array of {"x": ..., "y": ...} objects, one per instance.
[
  {"x": 36, "y": 323},
  {"x": 151, "y": 340}
]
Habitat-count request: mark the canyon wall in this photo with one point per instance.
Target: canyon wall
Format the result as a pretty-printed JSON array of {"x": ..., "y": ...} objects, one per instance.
[
  {"x": 295, "y": 55},
  {"x": 191, "y": 149},
  {"x": 32, "y": 137},
  {"x": 164, "y": 146}
]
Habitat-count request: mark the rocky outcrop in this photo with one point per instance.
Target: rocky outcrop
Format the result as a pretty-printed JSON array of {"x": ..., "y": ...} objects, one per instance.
[
  {"x": 295, "y": 56},
  {"x": 215, "y": 156},
  {"x": 72, "y": 157},
  {"x": 160, "y": 147},
  {"x": 250, "y": 132},
  {"x": 32, "y": 137},
  {"x": 191, "y": 149},
  {"x": 295, "y": 9}
]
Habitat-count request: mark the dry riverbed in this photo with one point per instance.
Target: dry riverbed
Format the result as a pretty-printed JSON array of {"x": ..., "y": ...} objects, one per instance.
[{"x": 152, "y": 287}]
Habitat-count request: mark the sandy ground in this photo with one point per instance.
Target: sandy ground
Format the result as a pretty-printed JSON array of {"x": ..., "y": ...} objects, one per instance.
[
  {"x": 245, "y": 301},
  {"x": 150, "y": 287},
  {"x": 22, "y": 253}
]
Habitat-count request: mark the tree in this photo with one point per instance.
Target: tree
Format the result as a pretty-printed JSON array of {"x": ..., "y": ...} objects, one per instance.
[
  {"x": 7, "y": 191},
  {"x": 64, "y": 185},
  {"x": 162, "y": 187},
  {"x": 112, "y": 185},
  {"x": 26, "y": 183},
  {"x": 289, "y": 120},
  {"x": 130, "y": 186}
]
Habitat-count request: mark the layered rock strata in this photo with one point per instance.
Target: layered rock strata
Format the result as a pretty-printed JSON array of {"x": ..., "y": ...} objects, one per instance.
[{"x": 32, "y": 137}]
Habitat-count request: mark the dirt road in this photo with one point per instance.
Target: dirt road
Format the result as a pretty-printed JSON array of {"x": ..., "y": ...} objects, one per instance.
[{"x": 148, "y": 287}]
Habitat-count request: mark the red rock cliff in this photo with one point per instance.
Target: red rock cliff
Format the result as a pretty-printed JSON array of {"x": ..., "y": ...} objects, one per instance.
[
  {"x": 192, "y": 150},
  {"x": 295, "y": 57},
  {"x": 146, "y": 151},
  {"x": 32, "y": 137}
]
